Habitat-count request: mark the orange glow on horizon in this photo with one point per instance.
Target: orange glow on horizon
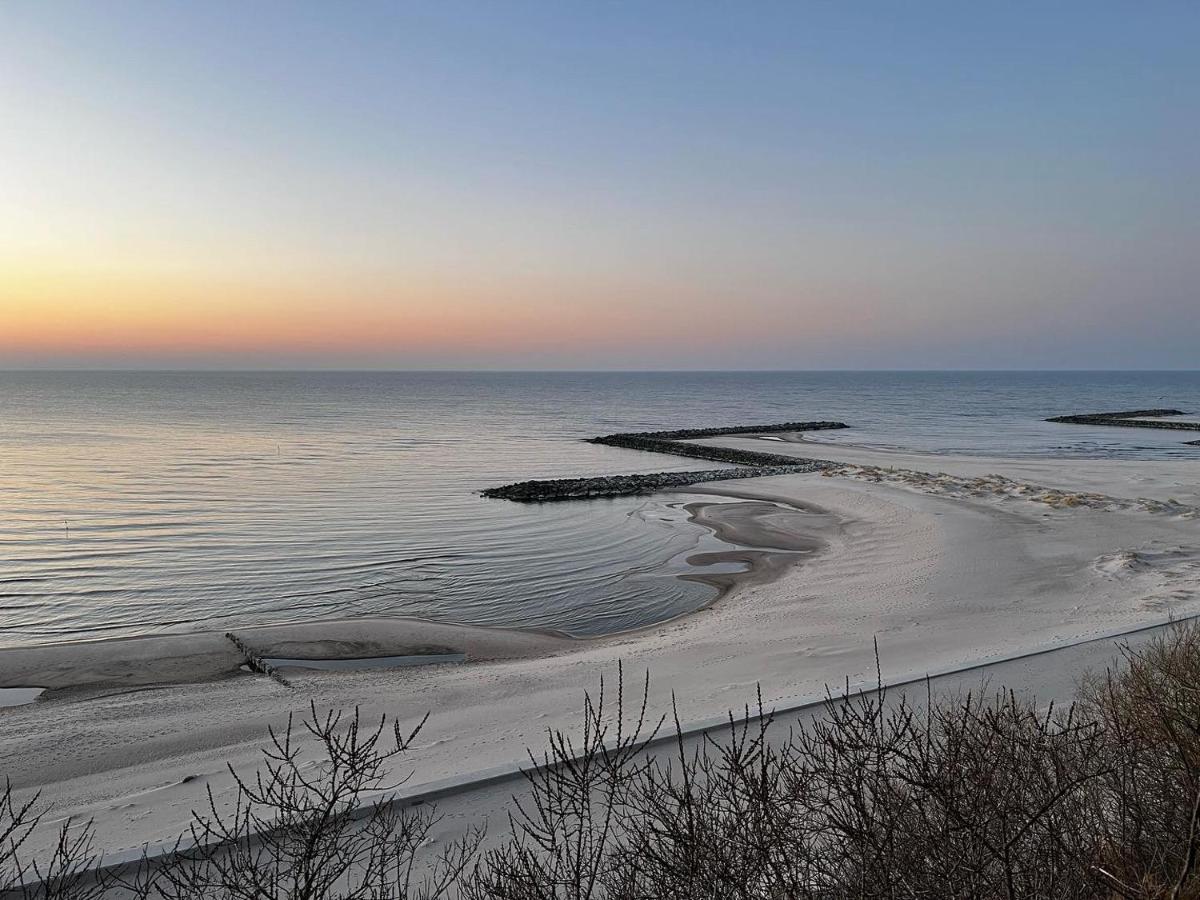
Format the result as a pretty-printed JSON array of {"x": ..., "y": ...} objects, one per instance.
[
  {"x": 52, "y": 311},
  {"x": 111, "y": 316}
]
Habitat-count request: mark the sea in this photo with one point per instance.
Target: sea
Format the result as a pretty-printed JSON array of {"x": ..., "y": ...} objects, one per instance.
[{"x": 137, "y": 503}]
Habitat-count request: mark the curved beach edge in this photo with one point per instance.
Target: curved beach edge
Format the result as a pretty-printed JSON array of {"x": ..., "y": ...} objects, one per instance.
[
  {"x": 942, "y": 581},
  {"x": 761, "y": 538}
]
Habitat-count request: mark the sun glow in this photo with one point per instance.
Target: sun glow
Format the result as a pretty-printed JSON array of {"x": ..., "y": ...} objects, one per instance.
[{"x": 200, "y": 188}]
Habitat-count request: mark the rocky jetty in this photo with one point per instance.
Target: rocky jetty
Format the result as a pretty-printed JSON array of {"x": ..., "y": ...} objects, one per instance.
[
  {"x": 1133, "y": 418},
  {"x": 750, "y": 464},
  {"x": 686, "y": 434},
  {"x": 700, "y": 451},
  {"x": 675, "y": 442},
  {"x": 622, "y": 485}
]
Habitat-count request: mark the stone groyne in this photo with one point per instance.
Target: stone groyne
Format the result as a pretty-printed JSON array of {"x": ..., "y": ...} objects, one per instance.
[
  {"x": 255, "y": 662},
  {"x": 1133, "y": 418},
  {"x": 750, "y": 464},
  {"x": 675, "y": 442},
  {"x": 686, "y": 434},
  {"x": 624, "y": 485},
  {"x": 700, "y": 451}
]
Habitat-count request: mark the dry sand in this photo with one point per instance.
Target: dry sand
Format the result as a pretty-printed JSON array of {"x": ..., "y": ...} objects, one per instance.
[{"x": 944, "y": 572}]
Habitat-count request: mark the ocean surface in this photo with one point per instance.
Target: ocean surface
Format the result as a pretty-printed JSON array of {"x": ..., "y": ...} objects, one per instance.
[{"x": 135, "y": 503}]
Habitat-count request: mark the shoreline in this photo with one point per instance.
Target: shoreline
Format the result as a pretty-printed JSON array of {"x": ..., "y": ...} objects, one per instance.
[
  {"x": 783, "y": 433},
  {"x": 941, "y": 582},
  {"x": 103, "y": 666},
  {"x": 198, "y": 657}
]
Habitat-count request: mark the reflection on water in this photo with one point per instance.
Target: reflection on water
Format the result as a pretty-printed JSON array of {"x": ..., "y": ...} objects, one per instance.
[
  {"x": 19, "y": 696},
  {"x": 136, "y": 502},
  {"x": 365, "y": 662}
]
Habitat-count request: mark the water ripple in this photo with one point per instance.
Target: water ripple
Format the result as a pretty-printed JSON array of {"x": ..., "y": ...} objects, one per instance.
[{"x": 134, "y": 503}]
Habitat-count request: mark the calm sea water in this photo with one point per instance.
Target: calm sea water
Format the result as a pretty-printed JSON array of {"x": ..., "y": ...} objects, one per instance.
[{"x": 149, "y": 502}]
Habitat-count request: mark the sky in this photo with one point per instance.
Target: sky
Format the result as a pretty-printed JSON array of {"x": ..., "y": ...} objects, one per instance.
[{"x": 508, "y": 185}]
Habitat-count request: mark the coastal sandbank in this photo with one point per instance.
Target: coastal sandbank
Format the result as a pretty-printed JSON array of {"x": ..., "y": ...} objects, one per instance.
[{"x": 764, "y": 537}]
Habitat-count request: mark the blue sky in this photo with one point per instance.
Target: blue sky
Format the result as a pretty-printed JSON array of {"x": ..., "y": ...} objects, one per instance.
[{"x": 605, "y": 185}]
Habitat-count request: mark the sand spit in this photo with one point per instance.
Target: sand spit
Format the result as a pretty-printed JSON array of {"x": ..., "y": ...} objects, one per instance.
[
  {"x": 1161, "y": 480},
  {"x": 1000, "y": 487}
]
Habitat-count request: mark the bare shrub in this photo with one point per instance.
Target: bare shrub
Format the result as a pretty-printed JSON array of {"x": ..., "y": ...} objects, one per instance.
[
  {"x": 565, "y": 832},
  {"x": 973, "y": 799},
  {"x": 980, "y": 796},
  {"x": 66, "y": 873},
  {"x": 17, "y": 821},
  {"x": 308, "y": 831},
  {"x": 1148, "y": 812},
  {"x": 715, "y": 822},
  {"x": 880, "y": 796}
]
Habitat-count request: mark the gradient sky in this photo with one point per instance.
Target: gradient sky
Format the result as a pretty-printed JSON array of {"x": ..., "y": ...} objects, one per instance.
[{"x": 602, "y": 185}]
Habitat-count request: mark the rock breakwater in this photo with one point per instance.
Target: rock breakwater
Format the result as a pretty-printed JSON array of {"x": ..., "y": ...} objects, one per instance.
[
  {"x": 749, "y": 464},
  {"x": 1132, "y": 418},
  {"x": 623, "y": 485},
  {"x": 685, "y": 434}
]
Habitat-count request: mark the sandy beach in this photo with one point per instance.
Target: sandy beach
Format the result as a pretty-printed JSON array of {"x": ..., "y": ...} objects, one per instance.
[
  {"x": 370, "y": 371},
  {"x": 948, "y": 562}
]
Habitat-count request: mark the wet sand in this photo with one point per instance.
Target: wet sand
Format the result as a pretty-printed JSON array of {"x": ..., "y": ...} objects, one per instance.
[
  {"x": 105, "y": 667},
  {"x": 784, "y": 535},
  {"x": 765, "y": 538}
]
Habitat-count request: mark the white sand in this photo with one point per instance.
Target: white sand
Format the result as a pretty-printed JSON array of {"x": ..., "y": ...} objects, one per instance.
[{"x": 944, "y": 574}]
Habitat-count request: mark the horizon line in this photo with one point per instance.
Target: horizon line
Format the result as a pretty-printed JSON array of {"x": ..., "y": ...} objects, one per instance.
[{"x": 548, "y": 371}]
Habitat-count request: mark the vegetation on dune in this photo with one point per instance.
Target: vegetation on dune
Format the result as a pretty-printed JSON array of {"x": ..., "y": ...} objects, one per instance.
[{"x": 880, "y": 797}]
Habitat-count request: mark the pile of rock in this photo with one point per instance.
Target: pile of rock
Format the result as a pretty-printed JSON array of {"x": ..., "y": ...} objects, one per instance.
[
  {"x": 750, "y": 464},
  {"x": 1133, "y": 418},
  {"x": 686, "y": 434},
  {"x": 622, "y": 485},
  {"x": 697, "y": 451}
]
